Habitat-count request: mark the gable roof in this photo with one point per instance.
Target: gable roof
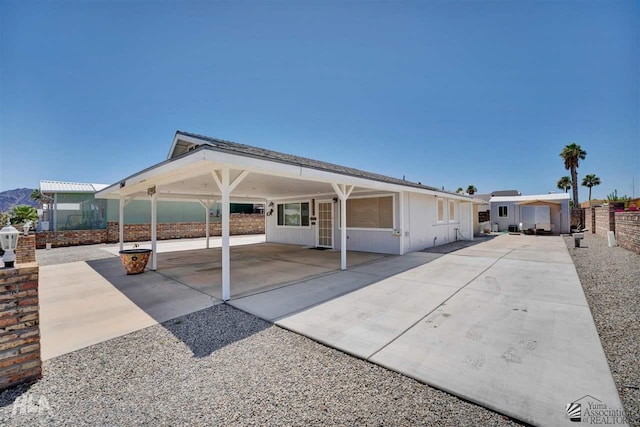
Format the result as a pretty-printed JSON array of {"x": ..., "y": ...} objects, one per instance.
[
  {"x": 70, "y": 187},
  {"x": 178, "y": 150}
]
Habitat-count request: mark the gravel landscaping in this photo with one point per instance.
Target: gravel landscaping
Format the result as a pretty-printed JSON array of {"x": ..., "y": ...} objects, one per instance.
[
  {"x": 223, "y": 366},
  {"x": 610, "y": 278},
  {"x": 71, "y": 254}
]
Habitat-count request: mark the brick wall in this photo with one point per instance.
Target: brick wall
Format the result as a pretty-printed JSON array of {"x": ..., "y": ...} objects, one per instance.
[
  {"x": 238, "y": 224},
  {"x": 628, "y": 230},
  {"x": 70, "y": 238},
  {"x": 20, "y": 359},
  {"x": 26, "y": 250},
  {"x": 590, "y": 219},
  {"x": 605, "y": 219}
]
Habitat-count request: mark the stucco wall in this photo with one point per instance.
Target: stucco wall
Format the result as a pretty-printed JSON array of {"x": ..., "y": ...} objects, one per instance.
[{"x": 424, "y": 229}]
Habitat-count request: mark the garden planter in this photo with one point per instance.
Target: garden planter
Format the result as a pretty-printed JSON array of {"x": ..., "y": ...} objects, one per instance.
[{"x": 135, "y": 260}]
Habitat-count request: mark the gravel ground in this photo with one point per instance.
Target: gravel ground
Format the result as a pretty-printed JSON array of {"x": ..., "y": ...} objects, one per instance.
[
  {"x": 71, "y": 254},
  {"x": 221, "y": 366},
  {"x": 610, "y": 278}
]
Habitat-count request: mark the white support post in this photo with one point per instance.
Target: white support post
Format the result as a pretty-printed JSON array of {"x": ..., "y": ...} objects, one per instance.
[
  {"x": 222, "y": 179},
  {"x": 206, "y": 222},
  {"x": 121, "y": 223},
  {"x": 154, "y": 231},
  {"x": 343, "y": 191},
  {"x": 471, "y": 216},
  {"x": 401, "y": 222},
  {"x": 343, "y": 234},
  {"x": 206, "y": 207},
  {"x": 226, "y": 264}
]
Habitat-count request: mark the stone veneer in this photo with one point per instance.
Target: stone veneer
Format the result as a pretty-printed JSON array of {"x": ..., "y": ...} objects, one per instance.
[
  {"x": 20, "y": 359},
  {"x": 238, "y": 224}
]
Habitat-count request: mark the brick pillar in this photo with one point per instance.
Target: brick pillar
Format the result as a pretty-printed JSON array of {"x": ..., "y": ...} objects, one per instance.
[
  {"x": 20, "y": 359},
  {"x": 612, "y": 217},
  {"x": 26, "y": 250},
  {"x": 593, "y": 219}
]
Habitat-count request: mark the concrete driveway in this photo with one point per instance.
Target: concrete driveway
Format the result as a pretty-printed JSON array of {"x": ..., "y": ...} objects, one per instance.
[
  {"x": 504, "y": 324},
  {"x": 84, "y": 303}
]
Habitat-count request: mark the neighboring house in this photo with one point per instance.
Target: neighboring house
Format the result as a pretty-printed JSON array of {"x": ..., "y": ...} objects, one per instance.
[
  {"x": 487, "y": 197},
  {"x": 307, "y": 202},
  {"x": 549, "y": 212},
  {"x": 73, "y": 206}
]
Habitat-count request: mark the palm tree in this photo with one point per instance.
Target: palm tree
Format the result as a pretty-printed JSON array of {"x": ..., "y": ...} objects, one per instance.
[
  {"x": 23, "y": 213},
  {"x": 564, "y": 183},
  {"x": 590, "y": 181},
  {"x": 35, "y": 195},
  {"x": 572, "y": 154},
  {"x": 459, "y": 190},
  {"x": 471, "y": 189}
]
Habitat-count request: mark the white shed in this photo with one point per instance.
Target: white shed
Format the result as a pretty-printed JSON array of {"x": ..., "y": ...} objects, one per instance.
[{"x": 548, "y": 212}]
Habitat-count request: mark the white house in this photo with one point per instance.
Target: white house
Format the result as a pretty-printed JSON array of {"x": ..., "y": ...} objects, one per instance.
[
  {"x": 548, "y": 212},
  {"x": 307, "y": 202}
]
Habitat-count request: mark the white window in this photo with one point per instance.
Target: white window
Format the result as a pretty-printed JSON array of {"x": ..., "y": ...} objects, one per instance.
[
  {"x": 452, "y": 210},
  {"x": 293, "y": 214},
  {"x": 503, "y": 212},
  {"x": 440, "y": 210}
]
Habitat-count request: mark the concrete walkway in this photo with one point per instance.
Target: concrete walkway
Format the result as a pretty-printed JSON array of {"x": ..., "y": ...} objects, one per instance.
[
  {"x": 504, "y": 324},
  {"x": 84, "y": 303}
]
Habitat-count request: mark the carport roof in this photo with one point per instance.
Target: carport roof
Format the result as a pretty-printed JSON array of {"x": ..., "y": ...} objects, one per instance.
[{"x": 193, "y": 157}]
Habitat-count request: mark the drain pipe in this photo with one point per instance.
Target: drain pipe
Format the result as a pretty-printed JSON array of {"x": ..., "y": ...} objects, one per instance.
[{"x": 434, "y": 241}]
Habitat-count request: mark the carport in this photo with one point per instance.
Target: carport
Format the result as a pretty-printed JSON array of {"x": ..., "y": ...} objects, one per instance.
[{"x": 209, "y": 170}]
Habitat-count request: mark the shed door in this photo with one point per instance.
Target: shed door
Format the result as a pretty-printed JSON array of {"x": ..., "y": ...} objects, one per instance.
[{"x": 325, "y": 224}]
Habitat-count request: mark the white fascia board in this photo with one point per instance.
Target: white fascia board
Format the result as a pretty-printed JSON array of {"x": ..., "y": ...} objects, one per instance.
[
  {"x": 213, "y": 159},
  {"x": 285, "y": 170}
]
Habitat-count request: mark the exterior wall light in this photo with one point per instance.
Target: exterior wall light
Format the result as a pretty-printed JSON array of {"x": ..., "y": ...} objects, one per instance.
[{"x": 9, "y": 242}]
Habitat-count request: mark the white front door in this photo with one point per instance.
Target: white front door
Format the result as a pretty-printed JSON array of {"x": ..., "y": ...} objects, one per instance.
[{"x": 324, "y": 233}]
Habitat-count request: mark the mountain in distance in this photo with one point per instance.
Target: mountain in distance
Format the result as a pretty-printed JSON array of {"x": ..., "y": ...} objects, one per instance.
[{"x": 19, "y": 196}]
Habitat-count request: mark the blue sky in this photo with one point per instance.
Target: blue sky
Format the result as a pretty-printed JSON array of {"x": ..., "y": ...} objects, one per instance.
[{"x": 449, "y": 93}]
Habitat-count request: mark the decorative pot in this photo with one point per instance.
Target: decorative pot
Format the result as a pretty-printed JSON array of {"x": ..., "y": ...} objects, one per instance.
[{"x": 135, "y": 260}]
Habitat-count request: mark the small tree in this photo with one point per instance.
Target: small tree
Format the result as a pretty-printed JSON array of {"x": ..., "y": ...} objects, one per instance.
[
  {"x": 613, "y": 197},
  {"x": 4, "y": 217},
  {"x": 471, "y": 189},
  {"x": 23, "y": 213},
  {"x": 459, "y": 190},
  {"x": 564, "y": 183},
  {"x": 590, "y": 181}
]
